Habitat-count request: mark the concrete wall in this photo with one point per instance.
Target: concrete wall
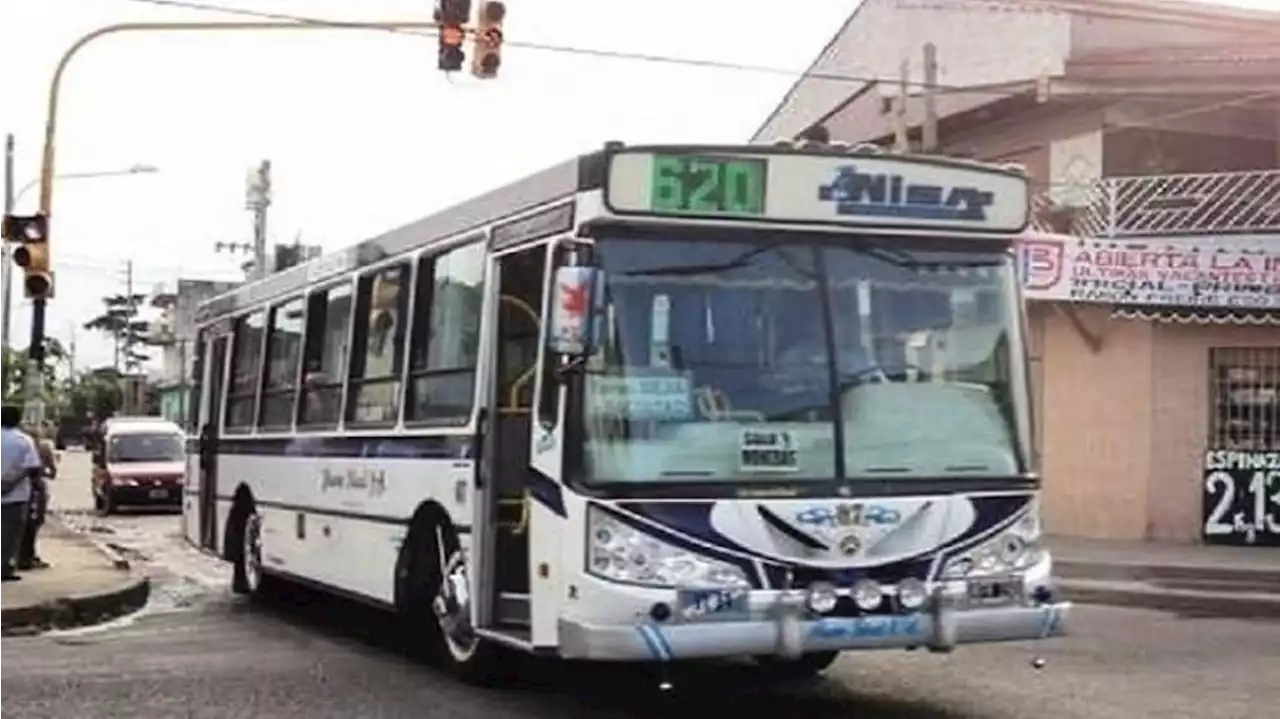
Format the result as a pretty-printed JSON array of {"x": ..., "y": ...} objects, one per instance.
[{"x": 1122, "y": 431}]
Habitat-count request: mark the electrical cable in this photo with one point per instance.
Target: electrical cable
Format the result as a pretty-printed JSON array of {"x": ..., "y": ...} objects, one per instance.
[
  {"x": 597, "y": 53},
  {"x": 712, "y": 64}
]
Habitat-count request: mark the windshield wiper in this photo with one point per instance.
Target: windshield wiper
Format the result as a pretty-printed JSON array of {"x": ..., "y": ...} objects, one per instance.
[{"x": 734, "y": 264}]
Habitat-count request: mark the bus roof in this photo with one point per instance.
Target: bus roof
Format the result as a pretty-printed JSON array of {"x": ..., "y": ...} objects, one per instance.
[{"x": 590, "y": 172}]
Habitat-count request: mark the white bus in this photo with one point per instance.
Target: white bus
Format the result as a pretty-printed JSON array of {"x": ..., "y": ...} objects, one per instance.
[{"x": 655, "y": 403}]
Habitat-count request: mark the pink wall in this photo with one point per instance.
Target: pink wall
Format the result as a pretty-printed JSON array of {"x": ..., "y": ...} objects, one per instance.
[{"x": 1123, "y": 429}]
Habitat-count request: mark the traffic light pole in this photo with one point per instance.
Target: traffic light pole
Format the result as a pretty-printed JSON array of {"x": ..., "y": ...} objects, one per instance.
[
  {"x": 34, "y": 391},
  {"x": 34, "y": 399}
]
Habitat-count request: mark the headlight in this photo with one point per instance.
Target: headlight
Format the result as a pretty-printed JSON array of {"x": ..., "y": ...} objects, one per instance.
[
  {"x": 1013, "y": 550},
  {"x": 622, "y": 553}
]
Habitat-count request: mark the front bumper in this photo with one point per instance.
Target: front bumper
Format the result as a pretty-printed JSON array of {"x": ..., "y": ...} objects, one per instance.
[
  {"x": 790, "y": 634},
  {"x": 129, "y": 495}
]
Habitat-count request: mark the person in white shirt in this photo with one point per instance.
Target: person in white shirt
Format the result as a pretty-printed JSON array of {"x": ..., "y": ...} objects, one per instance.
[{"x": 19, "y": 462}]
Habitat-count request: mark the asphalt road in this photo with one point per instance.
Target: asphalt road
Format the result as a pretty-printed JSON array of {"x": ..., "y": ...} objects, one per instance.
[{"x": 199, "y": 652}]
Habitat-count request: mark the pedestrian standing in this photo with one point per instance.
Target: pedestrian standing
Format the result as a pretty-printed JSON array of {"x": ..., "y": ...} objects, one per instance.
[
  {"x": 19, "y": 461},
  {"x": 38, "y": 505}
]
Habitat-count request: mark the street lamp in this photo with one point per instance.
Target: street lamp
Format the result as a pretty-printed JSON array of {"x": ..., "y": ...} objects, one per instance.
[
  {"x": 11, "y": 201},
  {"x": 136, "y": 169}
]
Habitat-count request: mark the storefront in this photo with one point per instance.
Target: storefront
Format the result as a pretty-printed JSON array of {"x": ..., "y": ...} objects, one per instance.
[{"x": 1156, "y": 363}]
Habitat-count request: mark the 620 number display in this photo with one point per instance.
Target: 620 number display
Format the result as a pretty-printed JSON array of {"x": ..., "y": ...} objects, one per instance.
[{"x": 698, "y": 185}]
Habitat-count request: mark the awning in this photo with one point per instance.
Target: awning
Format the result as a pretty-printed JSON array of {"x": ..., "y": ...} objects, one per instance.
[{"x": 1198, "y": 316}]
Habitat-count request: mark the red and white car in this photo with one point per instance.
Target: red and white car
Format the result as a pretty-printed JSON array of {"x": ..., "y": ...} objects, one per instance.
[{"x": 142, "y": 463}]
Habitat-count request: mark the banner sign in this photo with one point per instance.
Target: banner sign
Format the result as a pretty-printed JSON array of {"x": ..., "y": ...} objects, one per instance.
[
  {"x": 1240, "y": 272},
  {"x": 1241, "y": 498}
]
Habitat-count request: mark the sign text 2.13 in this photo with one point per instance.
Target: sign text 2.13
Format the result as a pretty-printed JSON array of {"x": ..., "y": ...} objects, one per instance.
[{"x": 1241, "y": 502}]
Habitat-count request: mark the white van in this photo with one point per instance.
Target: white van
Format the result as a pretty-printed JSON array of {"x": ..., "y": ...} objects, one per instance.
[{"x": 142, "y": 463}]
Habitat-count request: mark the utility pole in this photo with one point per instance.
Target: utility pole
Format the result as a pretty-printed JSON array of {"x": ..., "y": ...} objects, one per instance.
[
  {"x": 257, "y": 198},
  {"x": 9, "y": 202},
  {"x": 901, "y": 142},
  {"x": 929, "y": 140},
  {"x": 126, "y": 382}
]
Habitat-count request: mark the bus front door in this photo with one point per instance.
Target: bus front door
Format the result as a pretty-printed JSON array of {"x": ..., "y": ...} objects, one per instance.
[{"x": 215, "y": 353}]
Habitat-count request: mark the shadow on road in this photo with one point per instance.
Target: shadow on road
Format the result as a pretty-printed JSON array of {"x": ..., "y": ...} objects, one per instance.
[{"x": 568, "y": 688}]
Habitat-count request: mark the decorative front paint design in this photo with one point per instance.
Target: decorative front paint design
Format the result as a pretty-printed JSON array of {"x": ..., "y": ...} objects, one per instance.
[{"x": 837, "y": 541}]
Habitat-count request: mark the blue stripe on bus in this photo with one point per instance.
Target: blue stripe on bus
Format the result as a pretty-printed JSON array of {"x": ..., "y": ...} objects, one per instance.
[{"x": 387, "y": 447}]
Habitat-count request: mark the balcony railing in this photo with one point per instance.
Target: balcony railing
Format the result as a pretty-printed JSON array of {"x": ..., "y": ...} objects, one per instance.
[{"x": 1162, "y": 205}]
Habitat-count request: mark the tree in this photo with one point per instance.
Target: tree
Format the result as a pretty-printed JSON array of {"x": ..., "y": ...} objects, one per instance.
[
  {"x": 120, "y": 322},
  {"x": 14, "y": 371},
  {"x": 95, "y": 392}
]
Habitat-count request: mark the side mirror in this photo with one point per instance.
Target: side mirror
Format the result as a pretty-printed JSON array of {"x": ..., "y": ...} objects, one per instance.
[{"x": 576, "y": 294}]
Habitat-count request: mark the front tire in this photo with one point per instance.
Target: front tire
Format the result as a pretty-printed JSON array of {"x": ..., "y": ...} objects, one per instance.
[
  {"x": 104, "y": 503},
  {"x": 247, "y": 575},
  {"x": 436, "y": 603}
]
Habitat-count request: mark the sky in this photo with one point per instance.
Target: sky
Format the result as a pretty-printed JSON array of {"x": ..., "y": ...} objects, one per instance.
[{"x": 364, "y": 134}]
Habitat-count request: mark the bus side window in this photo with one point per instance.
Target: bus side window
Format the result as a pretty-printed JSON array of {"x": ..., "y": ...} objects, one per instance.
[
  {"x": 284, "y": 350},
  {"x": 246, "y": 366},
  {"x": 445, "y": 336},
  {"x": 377, "y": 341},
  {"x": 324, "y": 360}
]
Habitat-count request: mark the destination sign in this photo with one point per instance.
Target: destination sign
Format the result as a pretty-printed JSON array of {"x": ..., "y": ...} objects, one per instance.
[{"x": 854, "y": 190}]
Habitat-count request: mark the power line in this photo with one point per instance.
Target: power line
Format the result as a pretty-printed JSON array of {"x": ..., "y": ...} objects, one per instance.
[
  {"x": 598, "y": 53},
  {"x": 722, "y": 65}
]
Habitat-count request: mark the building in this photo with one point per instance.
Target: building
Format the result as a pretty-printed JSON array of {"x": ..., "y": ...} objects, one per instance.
[
  {"x": 1152, "y": 131},
  {"x": 174, "y": 331}
]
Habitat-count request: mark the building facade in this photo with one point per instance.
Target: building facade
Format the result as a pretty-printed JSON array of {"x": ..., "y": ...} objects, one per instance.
[
  {"x": 174, "y": 331},
  {"x": 1152, "y": 132}
]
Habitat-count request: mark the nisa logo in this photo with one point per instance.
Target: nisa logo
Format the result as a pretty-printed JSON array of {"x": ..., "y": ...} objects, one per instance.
[{"x": 883, "y": 195}]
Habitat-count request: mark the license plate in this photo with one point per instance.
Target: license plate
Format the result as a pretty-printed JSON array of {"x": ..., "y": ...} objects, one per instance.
[
  {"x": 158, "y": 493},
  {"x": 994, "y": 591},
  {"x": 711, "y": 604}
]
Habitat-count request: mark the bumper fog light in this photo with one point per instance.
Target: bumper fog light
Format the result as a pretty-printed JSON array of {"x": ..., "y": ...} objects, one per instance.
[
  {"x": 867, "y": 595},
  {"x": 822, "y": 598},
  {"x": 912, "y": 594}
]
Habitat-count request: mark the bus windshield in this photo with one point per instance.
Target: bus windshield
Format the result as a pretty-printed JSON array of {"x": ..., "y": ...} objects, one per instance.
[{"x": 802, "y": 357}]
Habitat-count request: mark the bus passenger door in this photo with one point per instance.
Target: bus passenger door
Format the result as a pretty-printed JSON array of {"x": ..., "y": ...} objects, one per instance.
[
  {"x": 215, "y": 354},
  {"x": 505, "y": 542}
]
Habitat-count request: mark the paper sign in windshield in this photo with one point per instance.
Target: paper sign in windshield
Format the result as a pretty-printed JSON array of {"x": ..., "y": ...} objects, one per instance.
[
  {"x": 768, "y": 451},
  {"x": 662, "y": 398}
]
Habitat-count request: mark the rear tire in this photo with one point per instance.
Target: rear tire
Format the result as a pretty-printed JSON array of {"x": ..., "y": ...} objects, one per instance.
[
  {"x": 806, "y": 665},
  {"x": 434, "y": 600}
]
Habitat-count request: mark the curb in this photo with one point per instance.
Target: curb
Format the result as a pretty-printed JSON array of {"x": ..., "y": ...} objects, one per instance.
[
  {"x": 80, "y": 610},
  {"x": 68, "y": 612},
  {"x": 1198, "y": 604},
  {"x": 1267, "y": 579}
]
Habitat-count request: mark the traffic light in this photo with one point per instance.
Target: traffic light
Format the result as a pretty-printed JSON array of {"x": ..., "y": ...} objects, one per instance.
[
  {"x": 31, "y": 235},
  {"x": 486, "y": 53},
  {"x": 452, "y": 16}
]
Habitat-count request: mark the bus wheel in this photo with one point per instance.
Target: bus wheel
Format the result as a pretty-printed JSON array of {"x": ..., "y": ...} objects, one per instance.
[
  {"x": 247, "y": 577},
  {"x": 438, "y": 599},
  {"x": 807, "y": 665}
]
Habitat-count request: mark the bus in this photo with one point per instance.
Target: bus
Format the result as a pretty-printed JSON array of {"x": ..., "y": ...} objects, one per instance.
[{"x": 655, "y": 403}]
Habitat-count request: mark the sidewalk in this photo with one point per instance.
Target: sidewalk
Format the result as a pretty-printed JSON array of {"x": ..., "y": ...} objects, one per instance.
[
  {"x": 84, "y": 585},
  {"x": 1193, "y": 580}
]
